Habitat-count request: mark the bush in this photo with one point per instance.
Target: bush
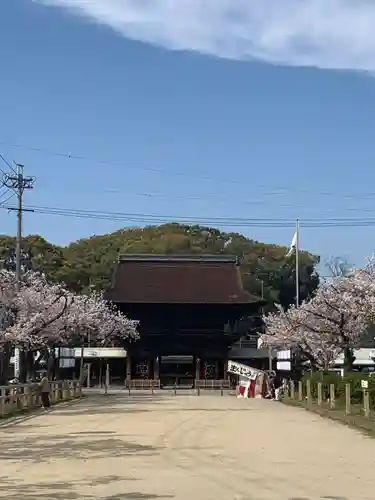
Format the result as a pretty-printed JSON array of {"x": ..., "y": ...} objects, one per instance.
[
  {"x": 326, "y": 378},
  {"x": 352, "y": 378}
]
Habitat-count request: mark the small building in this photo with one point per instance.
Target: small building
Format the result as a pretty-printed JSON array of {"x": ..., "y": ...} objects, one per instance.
[{"x": 189, "y": 308}]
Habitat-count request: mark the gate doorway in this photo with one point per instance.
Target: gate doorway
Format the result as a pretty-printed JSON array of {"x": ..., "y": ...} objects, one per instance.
[{"x": 177, "y": 371}]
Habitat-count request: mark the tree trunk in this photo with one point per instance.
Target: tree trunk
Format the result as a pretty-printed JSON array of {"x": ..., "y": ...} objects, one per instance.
[
  {"x": 30, "y": 366},
  {"x": 51, "y": 364},
  {"x": 349, "y": 359},
  {"x": 81, "y": 369},
  {"x": 6, "y": 369}
]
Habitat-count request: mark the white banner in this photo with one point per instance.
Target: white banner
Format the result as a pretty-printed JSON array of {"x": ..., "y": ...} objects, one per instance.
[
  {"x": 100, "y": 352},
  {"x": 242, "y": 370}
]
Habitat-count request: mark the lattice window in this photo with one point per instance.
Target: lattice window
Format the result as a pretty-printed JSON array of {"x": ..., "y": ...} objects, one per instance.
[
  {"x": 142, "y": 368},
  {"x": 210, "y": 370}
]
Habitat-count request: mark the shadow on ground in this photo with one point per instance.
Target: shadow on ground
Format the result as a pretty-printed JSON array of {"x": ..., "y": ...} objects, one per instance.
[
  {"x": 111, "y": 404},
  {"x": 84, "y": 446},
  {"x": 68, "y": 491},
  {"x": 60, "y": 490},
  {"x": 114, "y": 404}
]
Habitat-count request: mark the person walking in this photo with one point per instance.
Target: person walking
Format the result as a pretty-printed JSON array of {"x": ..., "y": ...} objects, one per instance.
[{"x": 45, "y": 390}]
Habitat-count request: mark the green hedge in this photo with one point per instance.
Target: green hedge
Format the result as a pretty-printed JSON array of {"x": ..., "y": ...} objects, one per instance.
[{"x": 352, "y": 378}]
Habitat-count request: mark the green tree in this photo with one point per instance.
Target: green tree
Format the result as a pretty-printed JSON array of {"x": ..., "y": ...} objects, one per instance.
[
  {"x": 37, "y": 255},
  {"x": 88, "y": 264}
]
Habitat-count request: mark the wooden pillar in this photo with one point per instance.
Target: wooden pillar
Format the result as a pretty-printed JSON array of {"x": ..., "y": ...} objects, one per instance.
[
  {"x": 150, "y": 373},
  {"x": 226, "y": 374},
  {"x": 217, "y": 370},
  {"x": 128, "y": 367},
  {"x": 197, "y": 368},
  {"x": 157, "y": 368}
]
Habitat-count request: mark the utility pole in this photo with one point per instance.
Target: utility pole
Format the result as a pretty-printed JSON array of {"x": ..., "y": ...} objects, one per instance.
[
  {"x": 269, "y": 347},
  {"x": 18, "y": 182},
  {"x": 297, "y": 263}
]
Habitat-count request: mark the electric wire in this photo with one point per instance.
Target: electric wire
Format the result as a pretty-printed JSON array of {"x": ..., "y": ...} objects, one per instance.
[
  {"x": 281, "y": 190},
  {"x": 153, "y": 219},
  {"x": 12, "y": 193}
]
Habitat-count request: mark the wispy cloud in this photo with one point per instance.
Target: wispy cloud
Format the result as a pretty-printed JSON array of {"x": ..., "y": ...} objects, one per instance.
[{"x": 331, "y": 34}]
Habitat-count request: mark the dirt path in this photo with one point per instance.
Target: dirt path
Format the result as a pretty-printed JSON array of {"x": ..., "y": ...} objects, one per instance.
[{"x": 183, "y": 447}]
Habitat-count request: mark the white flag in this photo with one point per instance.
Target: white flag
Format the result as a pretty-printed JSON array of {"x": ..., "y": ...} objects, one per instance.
[{"x": 293, "y": 245}]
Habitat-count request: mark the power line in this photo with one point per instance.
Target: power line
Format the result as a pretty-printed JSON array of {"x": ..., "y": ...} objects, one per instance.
[
  {"x": 2, "y": 201},
  {"x": 105, "y": 162},
  {"x": 7, "y": 164},
  {"x": 275, "y": 193},
  {"x": 227, "y": 221}
]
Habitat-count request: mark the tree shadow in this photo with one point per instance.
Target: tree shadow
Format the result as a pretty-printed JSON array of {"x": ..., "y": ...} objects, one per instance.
[
  {"x": 62, "y": 490},
  {"x": 322, "y": 498},
  {"x": 110, "y": 404},
  {"x": 137, "y": 496},
  {"x": 39, "y": 449}
]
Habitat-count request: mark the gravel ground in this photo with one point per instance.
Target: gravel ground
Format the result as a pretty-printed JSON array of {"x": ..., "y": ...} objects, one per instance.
[{"x": 183, "y": 447}]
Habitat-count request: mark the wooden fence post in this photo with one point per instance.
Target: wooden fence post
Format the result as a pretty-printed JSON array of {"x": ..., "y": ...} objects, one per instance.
[
  {"x": 320, "y": 394},
  {"x": 332, "y": 395},
  {"x": 308, "y": 390},
  {"x": 2, "y": 401},
  {"x": 300, "y": 390},
  {"x": 347, "y": 399},
  {"x": 366, "y": 403},
  {"x": 292, "y": 390}
]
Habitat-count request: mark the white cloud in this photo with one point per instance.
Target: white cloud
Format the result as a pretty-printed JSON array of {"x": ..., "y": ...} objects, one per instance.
[{"x": 334, "y": 34}]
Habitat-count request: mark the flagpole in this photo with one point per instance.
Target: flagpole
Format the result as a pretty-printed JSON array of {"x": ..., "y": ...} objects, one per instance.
[{"x": 297, "y": 262}]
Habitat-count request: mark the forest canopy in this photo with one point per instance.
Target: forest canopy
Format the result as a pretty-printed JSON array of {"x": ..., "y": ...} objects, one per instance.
[{"x": 87, "y": 264}]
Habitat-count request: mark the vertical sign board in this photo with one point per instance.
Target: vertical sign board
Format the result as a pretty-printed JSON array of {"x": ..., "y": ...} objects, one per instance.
[
  {"x": 16, "y": 363},
  {"x": 284, "y": 360},
  {"x": 66, "y": 357}
]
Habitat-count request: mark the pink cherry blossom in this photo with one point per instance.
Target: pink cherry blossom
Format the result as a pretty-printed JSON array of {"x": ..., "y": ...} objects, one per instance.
[
  {"x": 335, "y": 319},
  {"x": 43, "y": 315}
]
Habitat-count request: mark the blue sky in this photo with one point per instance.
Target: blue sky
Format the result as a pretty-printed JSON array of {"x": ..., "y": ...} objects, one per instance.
[{"x": 233, "y": 124}]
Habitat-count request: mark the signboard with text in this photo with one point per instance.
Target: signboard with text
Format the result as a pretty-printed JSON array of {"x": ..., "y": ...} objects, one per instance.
[{"x": 242, "y": 370}]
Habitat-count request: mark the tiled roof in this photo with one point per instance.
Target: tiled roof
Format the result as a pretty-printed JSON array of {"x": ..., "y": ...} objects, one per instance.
[{"x": 193, "y": 279}]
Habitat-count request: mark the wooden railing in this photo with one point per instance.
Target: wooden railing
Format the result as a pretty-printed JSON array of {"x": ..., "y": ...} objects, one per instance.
[
  {"x": 249, "y": 343},
  {"x": 212, "y": 384},
  {"x": 142, "y": 384},
  {"x": 23, "y": 397}
]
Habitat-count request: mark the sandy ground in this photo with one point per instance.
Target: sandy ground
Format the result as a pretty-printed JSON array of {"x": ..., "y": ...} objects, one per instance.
[{"x": 181, "y": 447}]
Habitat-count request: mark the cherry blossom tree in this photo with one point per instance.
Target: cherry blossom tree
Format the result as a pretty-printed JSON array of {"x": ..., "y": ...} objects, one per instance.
[
  {"x": 90, "y": 319},
  {"x": 38, "y": 306},
  {"x": 44, "y": 315},
  {"x": 7, "y": 302},
  {"x": 7, "y": 315},
  {"x": 294, "y": 330},
  {"x": 332, "y": 322}
]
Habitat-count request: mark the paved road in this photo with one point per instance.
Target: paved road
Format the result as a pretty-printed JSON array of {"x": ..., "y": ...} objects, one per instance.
[{"x": 184, "y": 447}]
